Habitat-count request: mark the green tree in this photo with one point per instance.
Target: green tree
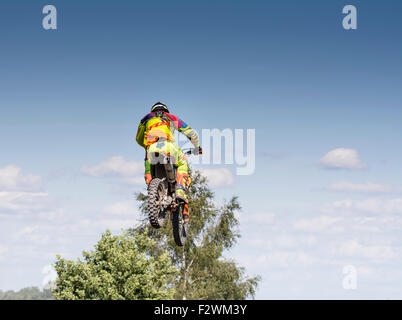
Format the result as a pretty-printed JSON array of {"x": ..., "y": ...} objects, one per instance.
[
  {"x": 29, "y": 293},
  {"x": 119, "y": 268},
  {"x": 203, "y": 271}
]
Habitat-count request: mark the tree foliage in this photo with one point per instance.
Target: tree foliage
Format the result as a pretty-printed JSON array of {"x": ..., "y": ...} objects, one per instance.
[
  {"x": 145, "y": 263},
  {"x": 29, "y": 293},
  {"x": 119, "y": 268},
  {"x": 204, "y": 273}
]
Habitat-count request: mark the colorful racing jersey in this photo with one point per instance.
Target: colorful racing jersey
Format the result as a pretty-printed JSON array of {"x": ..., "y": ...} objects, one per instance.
[{"x": 162, "y": 125}]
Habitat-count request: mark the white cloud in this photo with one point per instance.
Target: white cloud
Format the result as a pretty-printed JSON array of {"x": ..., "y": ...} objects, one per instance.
[
  {"x": 285, "y": 241},
  {"x": 50, "y": 276},
  {"x": 319, "y": 224},
  {"x": 23, "y": 202},
  {"x": 129, "y": 172},
  {"x": 365, "y": 272},
  {"x": 118, "y": 224},
  {"x": 3, "y": 250},
  {"x": 119, "y": 215},
  {"x": 22, "y": 194},
  {"x": 256, "y": 218},
  {"x": 24, "y": 231},
  {"x": 373, "y": 205},
  {"x": 33, "y": 235},
  {"x": 137, "y": 180},
  {"x": 123, "y": 208},
  {"x": 132, "y": 172},
  {"x": 285, "y": 259},
  {"x": 39, "y": 239},
  {"x": 220, "y": 177},
  {"x": 342, "y": 158},
  {"x": 354, "y": 248},
  {"x": 12, "y": 179},
  {"x": 367, "y": 187},
  {"x": 274, "y": 242}
]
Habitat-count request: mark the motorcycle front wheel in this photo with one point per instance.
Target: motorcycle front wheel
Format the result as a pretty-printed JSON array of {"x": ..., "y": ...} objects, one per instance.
[{"x": 157, "y": 191}]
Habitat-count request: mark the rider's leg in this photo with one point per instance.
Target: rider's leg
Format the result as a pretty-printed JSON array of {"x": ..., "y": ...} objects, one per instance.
[
  {"x": 147, "y": 175},
  {"x": 183, "y": 183},
  {"x": 182, "y": 177},
  {"x": 179, "y": 160}
]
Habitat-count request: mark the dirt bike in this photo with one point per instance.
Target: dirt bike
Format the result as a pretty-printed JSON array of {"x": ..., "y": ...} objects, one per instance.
[{"x": 162, "y": 197}]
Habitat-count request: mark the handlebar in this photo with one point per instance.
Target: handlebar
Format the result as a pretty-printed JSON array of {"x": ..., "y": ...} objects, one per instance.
[{"x": 193, "y": 151}]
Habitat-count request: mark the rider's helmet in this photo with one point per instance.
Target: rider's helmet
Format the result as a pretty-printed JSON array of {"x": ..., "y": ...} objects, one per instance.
[{"x": 159, "y": 106}]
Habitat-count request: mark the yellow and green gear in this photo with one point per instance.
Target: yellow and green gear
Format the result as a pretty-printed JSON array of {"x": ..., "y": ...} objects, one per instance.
[{"x": 156, "y": 134}]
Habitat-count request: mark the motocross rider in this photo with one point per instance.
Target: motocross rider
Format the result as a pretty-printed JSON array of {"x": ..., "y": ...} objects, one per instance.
[{"x": 156, "y": 134}]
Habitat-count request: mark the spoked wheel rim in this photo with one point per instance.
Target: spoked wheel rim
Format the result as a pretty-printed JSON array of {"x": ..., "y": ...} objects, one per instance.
[
  {"x": 157, "y": 212},
  {"x": 159, "y": 202}
]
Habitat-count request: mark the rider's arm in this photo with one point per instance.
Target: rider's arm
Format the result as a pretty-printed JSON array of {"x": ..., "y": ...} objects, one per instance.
[
  {"x": 141, "y": 130},
  {"x": 140, "y": 135},
  {"x": 185, "y": 129}
]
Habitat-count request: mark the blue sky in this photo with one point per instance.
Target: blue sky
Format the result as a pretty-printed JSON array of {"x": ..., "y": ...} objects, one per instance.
[{"x": 71, "y": 99}]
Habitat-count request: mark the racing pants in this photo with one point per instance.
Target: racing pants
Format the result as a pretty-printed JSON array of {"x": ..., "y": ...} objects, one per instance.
[{"x": 178, "y": 159}]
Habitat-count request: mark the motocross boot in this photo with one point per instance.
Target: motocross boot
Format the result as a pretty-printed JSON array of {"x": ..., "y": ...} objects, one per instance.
[
  {"x": 186, "y": 215},
  {"x": 181, "y": 193},
  {"x": 183, "y": 183},
  {"x": 148, "y": 178}
]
